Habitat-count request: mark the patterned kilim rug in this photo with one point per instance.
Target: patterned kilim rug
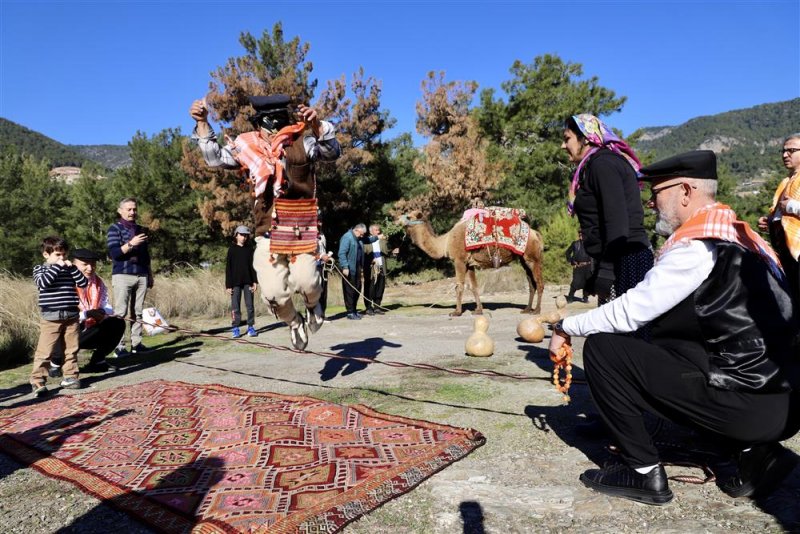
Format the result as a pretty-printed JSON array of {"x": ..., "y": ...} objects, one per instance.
[{"x": 212, "y": 458}]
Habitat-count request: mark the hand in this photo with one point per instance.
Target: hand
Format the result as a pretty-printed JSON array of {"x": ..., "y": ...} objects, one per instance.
[
  {"x": 309, "y": 116},
  {"x": 253, "y": 288},
  {"x": 65, "y": 263},
  {"x": 556, "y": 341},
  {"x": 324, "y": 257},
  {"x": 229, "y": 290},
  {"x": 763, "y": 224},
  {"x": 138, "y": 239},
  {"x": 98, "y": 315},
  {"x": 199, "y": 111},
  {"x": 346, "y": 272}
]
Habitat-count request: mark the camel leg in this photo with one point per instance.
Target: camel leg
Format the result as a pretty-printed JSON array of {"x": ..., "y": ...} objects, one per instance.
[
  {"x": 533, "y": 271},
  {"x": 473, "y": 281},
  {"x": 539, "y": 279},
  {"x": 461, "y": 271}
]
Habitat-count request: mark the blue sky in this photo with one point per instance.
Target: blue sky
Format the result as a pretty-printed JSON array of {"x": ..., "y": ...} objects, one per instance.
[{"x": 97, "y": 72}]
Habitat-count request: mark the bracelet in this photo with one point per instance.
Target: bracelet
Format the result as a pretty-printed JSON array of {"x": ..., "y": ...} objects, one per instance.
[{"x": 558, "y": 328}]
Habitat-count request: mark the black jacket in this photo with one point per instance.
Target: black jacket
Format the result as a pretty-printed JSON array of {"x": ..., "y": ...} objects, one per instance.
[
  {"x": 609, "y": 209},
  {"x": 738, "y": 327}
]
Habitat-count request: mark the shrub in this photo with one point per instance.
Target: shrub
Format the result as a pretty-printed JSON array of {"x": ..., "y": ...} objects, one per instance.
[{"x": 561, "y": 230}]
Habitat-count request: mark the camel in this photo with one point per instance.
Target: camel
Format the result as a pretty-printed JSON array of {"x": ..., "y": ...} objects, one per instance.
[{"x": 452, "y": 245}]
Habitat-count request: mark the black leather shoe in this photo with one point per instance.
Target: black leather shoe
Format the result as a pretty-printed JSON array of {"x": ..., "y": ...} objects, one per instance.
[
  {"x": 761, "y": 470},
  {"x": 619, "y": 480}
]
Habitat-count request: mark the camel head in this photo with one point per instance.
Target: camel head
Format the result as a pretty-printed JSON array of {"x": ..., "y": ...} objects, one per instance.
[{"x": 409, "y": 219}]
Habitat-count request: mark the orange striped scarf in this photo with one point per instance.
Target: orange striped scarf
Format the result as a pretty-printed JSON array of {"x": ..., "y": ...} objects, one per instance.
[
  {"x": 263, "y": 158},
  {"x": 790, "y": 188},
  {"x": 92, "y": 297},
  {"x": 718, "y": 221}
]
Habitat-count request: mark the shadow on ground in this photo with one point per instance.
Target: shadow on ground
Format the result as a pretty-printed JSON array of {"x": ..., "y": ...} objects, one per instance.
[{"x": 367, "y": 349}]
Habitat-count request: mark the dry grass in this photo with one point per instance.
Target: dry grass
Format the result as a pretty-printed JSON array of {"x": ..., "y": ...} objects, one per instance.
[{"x": 19, "y": 319}]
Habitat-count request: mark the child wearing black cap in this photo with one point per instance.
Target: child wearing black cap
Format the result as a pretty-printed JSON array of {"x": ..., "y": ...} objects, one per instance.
[{"x": 240, "y": 279}]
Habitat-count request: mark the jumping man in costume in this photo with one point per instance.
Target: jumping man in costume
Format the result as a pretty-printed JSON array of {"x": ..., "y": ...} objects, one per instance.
[{"x": 279, "y": 156}]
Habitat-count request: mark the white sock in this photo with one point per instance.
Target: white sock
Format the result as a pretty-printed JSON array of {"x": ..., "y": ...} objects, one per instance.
[{"x": 645, "y": 470}]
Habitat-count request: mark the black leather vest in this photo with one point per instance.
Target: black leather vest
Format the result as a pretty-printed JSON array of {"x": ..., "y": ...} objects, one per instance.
[{"x": 738, "y": 326}]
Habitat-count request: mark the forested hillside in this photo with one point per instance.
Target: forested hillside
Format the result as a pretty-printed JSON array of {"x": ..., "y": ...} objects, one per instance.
[
  {"x": 27, "y": 141},
  {"x": 745, "y": 140},
  {"x": 110, "y": 156}
]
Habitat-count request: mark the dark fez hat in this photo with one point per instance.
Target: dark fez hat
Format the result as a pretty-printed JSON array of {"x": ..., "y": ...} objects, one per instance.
[
  {"x": 85, "y": 254},
  {"x": 694, "y": 164},
  {"x": 269, "y": 103}
]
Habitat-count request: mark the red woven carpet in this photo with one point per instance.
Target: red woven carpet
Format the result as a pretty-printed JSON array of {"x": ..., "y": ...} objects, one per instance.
[{"x": 211, "y": 458}]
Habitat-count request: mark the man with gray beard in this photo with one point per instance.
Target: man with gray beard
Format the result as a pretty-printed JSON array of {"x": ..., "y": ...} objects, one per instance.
[{"x": 721, "y": 359}]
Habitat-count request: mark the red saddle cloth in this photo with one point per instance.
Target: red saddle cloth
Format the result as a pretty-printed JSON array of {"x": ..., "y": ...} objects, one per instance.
[
  {"x": 294, "y": 228},
  {"x": 498, "y": 226}
]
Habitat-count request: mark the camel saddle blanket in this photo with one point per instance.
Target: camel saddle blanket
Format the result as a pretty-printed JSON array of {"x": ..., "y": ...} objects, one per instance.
[
  {"x": 497, "y": 226},
  {"x": 294, "y": 226}
]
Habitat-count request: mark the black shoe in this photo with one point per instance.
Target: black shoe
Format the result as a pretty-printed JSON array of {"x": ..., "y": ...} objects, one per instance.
[
  {"x": 379, "y": 311},
  {"x": 619, "y": 480},
  {"x": 761, "y": 470},
  {"x": 353, "y": 316},
  {"x": 370, "y": 311}
]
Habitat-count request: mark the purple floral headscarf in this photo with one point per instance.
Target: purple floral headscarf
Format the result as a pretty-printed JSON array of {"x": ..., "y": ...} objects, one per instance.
[{"x": 599, "y": 135}]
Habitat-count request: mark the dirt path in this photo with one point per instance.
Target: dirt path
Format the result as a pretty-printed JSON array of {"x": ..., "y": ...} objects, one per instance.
[{"x": 525, "y": 479}]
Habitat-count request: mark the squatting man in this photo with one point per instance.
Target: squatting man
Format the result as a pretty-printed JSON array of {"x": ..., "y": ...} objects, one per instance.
[
  {"x": 279, "y": 157},
  {"x": 722, "y": 354}
]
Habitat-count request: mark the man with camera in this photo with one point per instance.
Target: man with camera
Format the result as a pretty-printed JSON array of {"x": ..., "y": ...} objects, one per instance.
[
  {"x": 279, "y": 157},
  {"x": 131, "y": 275}
]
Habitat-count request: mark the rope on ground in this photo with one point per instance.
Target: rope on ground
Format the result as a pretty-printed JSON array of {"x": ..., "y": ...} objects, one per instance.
[
  {"x": 361, "y": 294},
  {"x": 361, "y": 359}
]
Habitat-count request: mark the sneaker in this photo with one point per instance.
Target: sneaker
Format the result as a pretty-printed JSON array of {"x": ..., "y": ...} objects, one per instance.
[
  {"x": 39, "y": 391},
  {"x": 139, "y": 349},
  {"x": 379, "y": 311},
  {"x": 251, "y": 331},
  {"x": 761, "y": 470},
  {"x": 235, "y": 332},
  {"x": 120, "y": 352},
  {"x": 55, "y": 370},
  {"x": 619, "y": 480},
  {"x": 353, "y": 316},
  {"x": 315, "y": 317},
  {"x": 71, "y": 383},
  {"x": 370, "y": 311},
  {"x": 299, "y": 334}
]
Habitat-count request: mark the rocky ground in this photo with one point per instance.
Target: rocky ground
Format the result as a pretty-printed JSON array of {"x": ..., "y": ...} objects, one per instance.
[{"x": 524, "y": 479}]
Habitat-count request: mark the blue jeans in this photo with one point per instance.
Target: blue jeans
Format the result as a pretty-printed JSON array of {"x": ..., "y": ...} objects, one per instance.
[{"x": 236, "y": 302}]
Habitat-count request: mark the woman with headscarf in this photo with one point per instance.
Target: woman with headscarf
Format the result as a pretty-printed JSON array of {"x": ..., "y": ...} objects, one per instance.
[
  {"x": 783, "y": 221},
  {"x": 605, "y": 196}
]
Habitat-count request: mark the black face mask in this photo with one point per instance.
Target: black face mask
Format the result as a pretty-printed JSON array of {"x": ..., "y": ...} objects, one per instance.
[{"x": 273, "y": 120}]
